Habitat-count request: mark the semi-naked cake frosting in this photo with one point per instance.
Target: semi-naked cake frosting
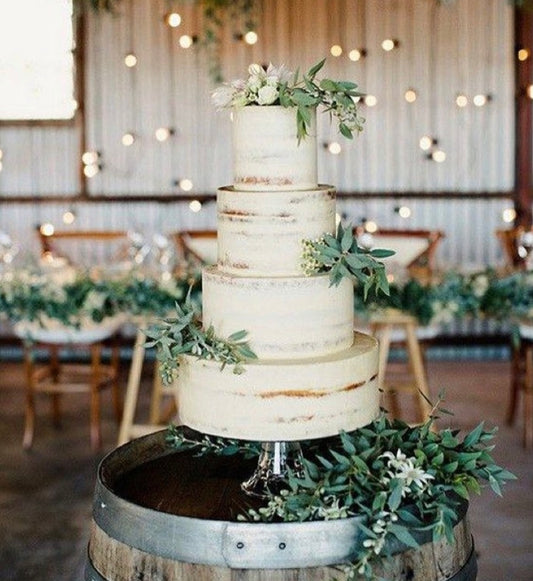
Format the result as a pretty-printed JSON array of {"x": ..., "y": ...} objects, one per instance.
[{"x": 313, "y": 377}]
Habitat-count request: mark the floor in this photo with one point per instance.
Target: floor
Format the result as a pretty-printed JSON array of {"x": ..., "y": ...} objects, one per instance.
[{"x": 46, "y": 494}]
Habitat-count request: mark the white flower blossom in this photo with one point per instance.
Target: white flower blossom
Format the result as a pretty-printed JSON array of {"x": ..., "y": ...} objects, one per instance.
[
  {"x": 222, "y": 96},
  {"x": 267, "y": 95}
]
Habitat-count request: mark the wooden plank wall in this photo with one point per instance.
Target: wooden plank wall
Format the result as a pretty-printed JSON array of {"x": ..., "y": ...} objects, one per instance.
[{"x": 466, "y": 47}]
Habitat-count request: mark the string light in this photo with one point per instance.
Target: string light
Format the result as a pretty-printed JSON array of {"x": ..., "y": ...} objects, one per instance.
[
  {"x": 186, "y": 41},
  {"x": 529, "y": 91},
  {"x": 481, "y": 100},
  {"x": 523, "y": 54},
  {"x": 47, "y": 229},
  {"x": 336, "y": 50},
  {"x": 370, "y": 100},
  {"x": 357, "y": 54},
  {"x": 251, "y": 37},
  {"x": 389, "y": 44},
  {"x": 461, "y": 100},
  {"x": 426, "y": 142},
  {"x": 195, "y": 206},
  {"x": 509, "y": 215},
  {"x": 370, "y": 226},
  {"x": 69, "y": 217},
  {"x": 185, "y": 184},
  {"x": 173, "y": 19},
  {"x": 410, "y": 95},
  {"x": 90, "y": 157},
  {"x": 334, "y": 147},
  {"x": 128, "y": 139},
  {"x": 403, "y": 211},
  {"x": 91, "y": 170},
  {"x": 163, "y": 133},
  {"x": 439, "y": 156},
  {"x": 130, "y": 60}
]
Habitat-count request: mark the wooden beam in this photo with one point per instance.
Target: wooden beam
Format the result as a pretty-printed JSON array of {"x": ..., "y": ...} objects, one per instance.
[{"x": 523, "y": 119}]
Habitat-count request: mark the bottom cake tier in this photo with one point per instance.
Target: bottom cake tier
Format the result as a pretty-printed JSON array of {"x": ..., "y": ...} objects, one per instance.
[{"x": 283, "y": 400}]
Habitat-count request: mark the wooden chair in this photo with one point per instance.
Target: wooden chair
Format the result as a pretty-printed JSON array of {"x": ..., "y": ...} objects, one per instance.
[
  {"x": 415, "y": 250},
  {"x": 197, "y": 247},
  {"x": 515, "y": 253},
  {"x": 60, "y": 373}
]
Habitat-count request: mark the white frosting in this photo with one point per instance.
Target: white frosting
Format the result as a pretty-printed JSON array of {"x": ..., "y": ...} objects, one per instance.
[
  {"x": 261, "y": 233},
  {"x": 266, "y": 153},
  {"x": 282, "y": 400},
  {"x": 285, "y": 317}
]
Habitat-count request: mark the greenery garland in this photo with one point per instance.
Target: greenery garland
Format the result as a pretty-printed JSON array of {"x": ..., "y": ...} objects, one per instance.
[{"x": 401, "y": 479}]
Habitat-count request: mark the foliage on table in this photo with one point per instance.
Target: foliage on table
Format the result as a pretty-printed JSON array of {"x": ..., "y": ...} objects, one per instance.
[
  {"x": 184, "y": 335},
  {"x": 34, "y": 297},
  {"x": 402, "y": 480},
  {"x": 449, "y": 297},
  {"x": 509, "y": 297}
]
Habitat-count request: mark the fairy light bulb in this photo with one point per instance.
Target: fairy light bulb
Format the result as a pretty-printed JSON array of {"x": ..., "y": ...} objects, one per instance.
[
  {"x": 371, "y": 226},
  {"x": 389, "y": 44},
  {"x": 91, "y": 170},
  {"x": 128, "y": 139},
  {"x": 356, "y": 54},
  {"x": 370, "y": 100},
  {"x": 334, "y": 147},
  {"x": 47, "y": 229},
  {"x": 410, "y": 95},
  {"x": 509, "y": 215},
  {"x": 163, "y": 133},
  {"x": 480, "y": 100},
  {"x": 426, "y": 142},
  {"x": 461, "y": 100},
  {"x": 185, "y": 41},
  {"x": 130, "y": 60},
  {"x": 69, "y": 217},
  {"x": 250, "y": 37},
  {"x": 185, "y": 184},
  {"x": 336, "y": 50},
  {"x": 90, "y": 157},
  {"x": 523, "y": 54},
  {"x": 173, "y": 19},
  {"x": 404, "y": 212},
  {"x": 439, "y": 156},
  {"x": 195, "y": 206}
]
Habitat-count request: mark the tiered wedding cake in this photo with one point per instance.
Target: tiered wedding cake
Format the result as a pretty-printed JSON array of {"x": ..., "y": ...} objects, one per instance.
[{"x": 313, "y": 377}]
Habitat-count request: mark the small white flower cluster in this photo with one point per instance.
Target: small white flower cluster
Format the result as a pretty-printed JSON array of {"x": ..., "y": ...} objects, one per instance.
[
  {"x": 444, "y": 312},
  {"x": 261, "y": 87},
  {"x": 310, "y": 263},
  {"x": 401, "y": 467}
]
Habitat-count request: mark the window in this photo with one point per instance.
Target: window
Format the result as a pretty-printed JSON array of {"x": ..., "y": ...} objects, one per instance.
[{"x": 36, "y": 60}]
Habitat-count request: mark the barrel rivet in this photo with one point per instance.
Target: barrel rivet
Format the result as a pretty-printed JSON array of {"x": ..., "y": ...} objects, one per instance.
[
  {"x": 282, "y": 546},
  {"x": 240, "y": 545}
]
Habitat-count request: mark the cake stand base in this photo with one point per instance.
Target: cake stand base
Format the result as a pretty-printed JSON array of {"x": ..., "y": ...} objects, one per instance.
[{"x": 277, "y": 461}]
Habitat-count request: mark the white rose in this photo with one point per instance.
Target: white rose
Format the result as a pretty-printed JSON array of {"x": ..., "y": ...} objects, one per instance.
[
  {"x": 254, "y": 83},
  {"x": 267, "y": 95}
]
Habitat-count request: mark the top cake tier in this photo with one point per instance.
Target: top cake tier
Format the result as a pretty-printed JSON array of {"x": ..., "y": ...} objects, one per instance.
[{"x": 266, "y": 152}]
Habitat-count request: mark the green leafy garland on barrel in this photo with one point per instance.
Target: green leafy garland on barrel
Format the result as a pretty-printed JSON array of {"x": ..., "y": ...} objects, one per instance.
[{"x": 402, "y": 480}]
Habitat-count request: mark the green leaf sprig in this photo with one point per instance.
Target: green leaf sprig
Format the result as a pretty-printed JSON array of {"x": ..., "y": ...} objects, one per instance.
[
  {"x": 342, "y": 256},
  {"x": 184, "y": 335}
]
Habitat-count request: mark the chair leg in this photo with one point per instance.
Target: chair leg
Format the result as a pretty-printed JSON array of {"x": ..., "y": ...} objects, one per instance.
[
  {"x": 55, "y": 398},
  {"x": 419, "y": 372},
  {"x": 132, "y": 389},
  {"x": 29, "y": 412},
  {"x": 115, "y": 386},
  {"x": 517, "y": 358},
  {"x": 95, "y": 428},
  {"x": 528, "y": 398}
]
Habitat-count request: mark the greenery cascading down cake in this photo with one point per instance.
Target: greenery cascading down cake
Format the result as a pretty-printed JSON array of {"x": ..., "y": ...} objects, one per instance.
[{"x": 313, "y": 377}]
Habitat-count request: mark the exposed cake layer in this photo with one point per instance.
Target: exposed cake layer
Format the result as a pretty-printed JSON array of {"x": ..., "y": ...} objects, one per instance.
[
  {"x": 261, "y": 233},
  {"x": 285, "y": 317},
  {"x": 282, "y": 400},
  {"x": 266, "y": 153}
]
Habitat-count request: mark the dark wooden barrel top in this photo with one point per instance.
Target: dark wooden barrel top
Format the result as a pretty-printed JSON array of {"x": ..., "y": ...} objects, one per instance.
[{"x": 183, "y": 484}]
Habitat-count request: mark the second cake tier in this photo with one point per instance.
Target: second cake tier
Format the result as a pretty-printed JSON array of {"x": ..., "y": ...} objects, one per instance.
[{"x": 285, "y": 317}]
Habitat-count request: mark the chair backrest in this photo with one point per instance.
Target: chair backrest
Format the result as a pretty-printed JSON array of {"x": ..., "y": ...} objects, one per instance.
[
  {"x": 85, "y": 248},
  {"x": 414, "y": 249},
  {"x": 516, "y": 248},
  {"x": 197, "y": 246}
]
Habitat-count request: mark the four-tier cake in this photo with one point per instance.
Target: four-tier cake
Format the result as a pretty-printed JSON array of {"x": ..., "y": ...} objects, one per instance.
[{"x": 313, "y": 376}]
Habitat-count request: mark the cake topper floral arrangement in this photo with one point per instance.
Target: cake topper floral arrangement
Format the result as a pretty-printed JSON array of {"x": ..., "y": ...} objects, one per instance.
[{"x": 279, "y": 86}]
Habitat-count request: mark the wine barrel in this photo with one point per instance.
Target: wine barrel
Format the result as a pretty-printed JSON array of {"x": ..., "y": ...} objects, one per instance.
[{"x": 162, "y": 515}]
